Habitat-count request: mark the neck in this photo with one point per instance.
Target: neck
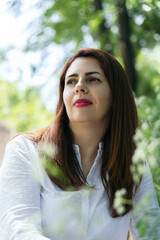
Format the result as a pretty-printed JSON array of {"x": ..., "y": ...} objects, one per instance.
[{"x": 87, "y": 137}]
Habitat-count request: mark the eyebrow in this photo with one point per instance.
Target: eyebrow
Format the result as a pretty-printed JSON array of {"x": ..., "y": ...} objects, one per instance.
[{"x": 86, "y": 74}]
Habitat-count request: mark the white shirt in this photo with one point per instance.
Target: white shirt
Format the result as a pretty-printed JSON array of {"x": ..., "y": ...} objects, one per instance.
[{"x": 33, "y": 208}]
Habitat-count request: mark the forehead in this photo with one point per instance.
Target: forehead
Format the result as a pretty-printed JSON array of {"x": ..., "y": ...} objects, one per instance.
[{"x": 83, "y": 65}]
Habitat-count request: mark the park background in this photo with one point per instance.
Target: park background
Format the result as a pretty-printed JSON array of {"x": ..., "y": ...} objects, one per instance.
[{"x": 38, "y": 36}]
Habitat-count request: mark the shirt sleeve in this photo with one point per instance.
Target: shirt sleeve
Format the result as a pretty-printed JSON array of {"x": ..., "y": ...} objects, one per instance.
[
  {"x": 146, "y": 209},
  {"x": 20, "y": 216}
]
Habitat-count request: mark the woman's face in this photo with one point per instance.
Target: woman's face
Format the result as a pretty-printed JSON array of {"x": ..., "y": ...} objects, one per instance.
[{"x": 87, "y": 95}]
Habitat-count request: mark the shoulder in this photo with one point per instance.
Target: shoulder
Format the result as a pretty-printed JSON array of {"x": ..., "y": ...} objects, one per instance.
[
  {"x": 146, "y": 187},
  {"x": 21, "y": 147},
  {"x": 147, "y": 181},
  {"x": 21, "y": 141},
  {"x": 21, "y": 156}
]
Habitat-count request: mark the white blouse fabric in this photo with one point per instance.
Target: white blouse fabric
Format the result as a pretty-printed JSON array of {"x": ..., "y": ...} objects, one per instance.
[{"x": 33, "y": 208}]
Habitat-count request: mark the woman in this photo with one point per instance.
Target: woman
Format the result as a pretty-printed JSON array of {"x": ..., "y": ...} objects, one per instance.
[{"x": 93, "y": 130}]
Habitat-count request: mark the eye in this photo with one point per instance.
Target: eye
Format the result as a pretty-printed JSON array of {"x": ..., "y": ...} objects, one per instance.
[
  {"x": 71, "y": 81},
  {"x": 94, "y": 79}
]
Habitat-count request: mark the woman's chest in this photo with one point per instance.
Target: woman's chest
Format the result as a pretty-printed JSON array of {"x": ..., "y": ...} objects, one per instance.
[{"x": 81, "y": 215}]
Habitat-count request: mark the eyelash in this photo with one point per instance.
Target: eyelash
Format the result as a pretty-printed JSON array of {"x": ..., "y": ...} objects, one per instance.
[
  {"x": 93, "y": 79},
  {"x": 70, "y": 81}
]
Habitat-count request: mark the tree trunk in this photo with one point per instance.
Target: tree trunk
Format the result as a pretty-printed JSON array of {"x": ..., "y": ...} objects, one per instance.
[
  {"x": 104, "y": 32},
  {"x": 125, "y": 43}
]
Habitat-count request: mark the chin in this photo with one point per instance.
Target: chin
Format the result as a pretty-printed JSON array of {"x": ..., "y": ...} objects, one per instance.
[{"x": 82, "y": 120}]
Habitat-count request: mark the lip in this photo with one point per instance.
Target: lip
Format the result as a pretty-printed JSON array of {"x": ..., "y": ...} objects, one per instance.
[{"x": 82, "y": 103}]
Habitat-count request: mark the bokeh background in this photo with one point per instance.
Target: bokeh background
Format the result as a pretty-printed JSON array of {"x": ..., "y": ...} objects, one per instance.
[{"x": 37, "y": 36}]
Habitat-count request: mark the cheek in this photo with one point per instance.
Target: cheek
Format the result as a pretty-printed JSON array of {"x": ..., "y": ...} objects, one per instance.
[
  {"x": 106, "y": 99},
  {"x": 67, "y": 96},
  {"x": 104, "y": 94},
  {"x": 64, "y": 98}
]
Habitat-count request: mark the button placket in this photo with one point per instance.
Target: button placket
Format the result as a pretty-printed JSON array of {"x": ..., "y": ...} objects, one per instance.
[{"x": 85, "y": 211}]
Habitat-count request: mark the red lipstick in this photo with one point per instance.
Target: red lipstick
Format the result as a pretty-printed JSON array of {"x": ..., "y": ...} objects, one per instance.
[{"x": 82, "y": 103}]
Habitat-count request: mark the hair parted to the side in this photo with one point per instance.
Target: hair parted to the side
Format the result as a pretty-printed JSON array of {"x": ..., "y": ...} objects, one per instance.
[{"x": 118, "y": 140}]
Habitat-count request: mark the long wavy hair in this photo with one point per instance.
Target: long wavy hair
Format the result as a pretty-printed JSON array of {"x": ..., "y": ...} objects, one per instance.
[{"x": 118, "y": 140}]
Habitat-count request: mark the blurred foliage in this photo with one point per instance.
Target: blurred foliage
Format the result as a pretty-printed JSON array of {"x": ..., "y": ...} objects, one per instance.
[
  {"x": 64, "y": 21},
  {"x": 77, "y": 24},
  {"x": 22, "y": 110},
  {"x": 148, "y": 135},
  {"x": 148, "y": 70},
  {"x": 147, "y": 139},
  {"x": 144, "y": 15}
]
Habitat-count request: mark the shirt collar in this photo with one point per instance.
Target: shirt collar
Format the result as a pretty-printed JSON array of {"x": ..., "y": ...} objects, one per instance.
[{"x": 93, "y": 176}]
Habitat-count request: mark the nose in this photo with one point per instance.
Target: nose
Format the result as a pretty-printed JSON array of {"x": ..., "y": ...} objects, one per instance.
[{"x": 81, "y": 88}]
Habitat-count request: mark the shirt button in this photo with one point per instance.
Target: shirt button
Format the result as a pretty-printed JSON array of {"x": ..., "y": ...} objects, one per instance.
[{"x": 89, "y": 178}]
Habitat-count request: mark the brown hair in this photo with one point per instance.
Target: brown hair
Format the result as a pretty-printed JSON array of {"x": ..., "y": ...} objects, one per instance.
[{"x": 118, "y": 141}]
